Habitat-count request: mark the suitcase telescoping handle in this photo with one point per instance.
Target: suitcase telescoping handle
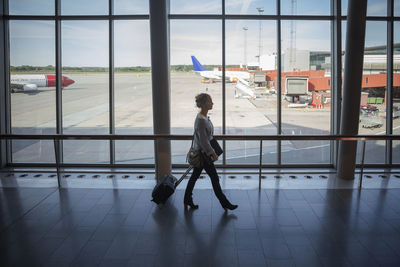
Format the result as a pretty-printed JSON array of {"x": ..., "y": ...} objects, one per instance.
[{"x": 183, "y": 176}]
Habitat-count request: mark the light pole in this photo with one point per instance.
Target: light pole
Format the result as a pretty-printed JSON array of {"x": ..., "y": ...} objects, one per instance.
[
  {"x": 245, "y": 46},
  {"x": 260, "y": 11}
]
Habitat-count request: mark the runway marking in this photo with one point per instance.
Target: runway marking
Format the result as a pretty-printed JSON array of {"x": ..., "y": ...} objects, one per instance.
[
  {"x": 275, "y": 152},
  {"x": 385, "y": 131}
]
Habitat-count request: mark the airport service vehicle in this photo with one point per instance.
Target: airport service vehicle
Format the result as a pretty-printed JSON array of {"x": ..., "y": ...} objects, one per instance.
[
  {"x": 296, "y": 85},
  {"x": 369, "y": 117},
  {"x": 31, "y": 82},
  {"x": 213, "y": 75},
  {"x": 369, "y": 110}
]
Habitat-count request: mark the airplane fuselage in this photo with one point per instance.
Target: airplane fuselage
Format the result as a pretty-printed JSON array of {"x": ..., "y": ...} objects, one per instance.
[{"x": 30, "y": 82}]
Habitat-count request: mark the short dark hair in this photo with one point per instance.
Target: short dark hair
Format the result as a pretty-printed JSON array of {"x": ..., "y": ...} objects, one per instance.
[{"x": 201, "y": 99}]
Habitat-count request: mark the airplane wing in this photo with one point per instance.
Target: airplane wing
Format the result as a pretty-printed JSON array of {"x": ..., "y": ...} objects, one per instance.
[{"x": 209, "y": 75}]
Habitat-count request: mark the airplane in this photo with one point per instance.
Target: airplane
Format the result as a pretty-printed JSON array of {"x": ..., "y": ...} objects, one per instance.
[
  {"x": 31, "y": 82},
  {"x": 213, "y": 75}
]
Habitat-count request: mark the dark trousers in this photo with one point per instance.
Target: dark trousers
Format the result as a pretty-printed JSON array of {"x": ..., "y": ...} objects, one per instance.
[{"x": 212, "y": 172}]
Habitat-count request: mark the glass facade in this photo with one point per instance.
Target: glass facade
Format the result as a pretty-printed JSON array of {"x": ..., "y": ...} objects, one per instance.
[
  {"x": 106, "y": 87},
  {"x": 32, "y": 85}
]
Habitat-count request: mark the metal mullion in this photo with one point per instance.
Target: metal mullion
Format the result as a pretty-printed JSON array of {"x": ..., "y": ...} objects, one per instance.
[
  {"x": 336, "y": 75},
  {"x": 111, "y": 82},
  {"x": 7, "y": 95},
  {"x": 223, "y": 84},
  {"x": 278, "y": 82},
  {"x": 104, "y": 17},
  {"x": 23, "y": 17},
  {"x": 77, "y": 17},
  {"x": 195, "y": 16},
  {"x": 389, "y": 81},
  {"x": 282, "y": 17},
  {"x": 377, "y": 18},
  {"x": 59, "y": 116},
  {"x": 130, "y": 17}
]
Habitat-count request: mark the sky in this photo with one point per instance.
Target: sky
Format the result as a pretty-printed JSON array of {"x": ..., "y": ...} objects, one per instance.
[{"x": 85, "y": 43}]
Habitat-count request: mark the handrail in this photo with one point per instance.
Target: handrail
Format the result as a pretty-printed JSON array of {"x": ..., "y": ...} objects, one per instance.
[
  {"x": 57, "y": 137},
  {"x": 190, "y": 137}
]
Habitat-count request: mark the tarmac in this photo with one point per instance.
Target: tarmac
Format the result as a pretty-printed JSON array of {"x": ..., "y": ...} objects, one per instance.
[{"x": 86, "y": 111}]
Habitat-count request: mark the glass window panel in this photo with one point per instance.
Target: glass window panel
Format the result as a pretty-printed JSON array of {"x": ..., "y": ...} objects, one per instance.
[
  {"x": 86, "y": 101},
  {"x": 33, "y": 108},
  {"x": 373, "y": 93},
  {"x": 396, "y": 91},
  {"x": 201, "y": 39},
  {"x": 250, "y": 89},
  {"x": 374, "y": 152},
  {"x": 31, "y": 7},
  {"x": 86, "y": 151},
  {"x": 374, "y": 7},
  {"x": 133, "y": 91},
  {"x": 131, "y": 7},
  {"x": 344, "y": 7},
  {"x": 310, "y": 7},
  {"x": 306, "y": 152},
  {"x": 132, "y": 78},
  {"x": 306, "y": 86},
  {"x": 265, "y": 7},
  {"x": 243, "y": 152},
  {"x": 84, "y": 7},
  {"x": 396, "y": 8},
  {"x": 85, "y": 61},
  {"x": 179, "y": 150},
  {"x": 33, "y": 151},
  {"x": 134, "y": 152},
  {"x": 270, "y": 152},
  {"x": 377, "y": 8},
  {"x": 195, "y": 7}
]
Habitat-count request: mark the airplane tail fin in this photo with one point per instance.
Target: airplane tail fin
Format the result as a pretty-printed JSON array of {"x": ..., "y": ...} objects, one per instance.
[{"x": 196, "y": 65}]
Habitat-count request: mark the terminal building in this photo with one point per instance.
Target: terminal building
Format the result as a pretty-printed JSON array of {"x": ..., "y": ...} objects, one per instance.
[{"x": 97, "y": 106}]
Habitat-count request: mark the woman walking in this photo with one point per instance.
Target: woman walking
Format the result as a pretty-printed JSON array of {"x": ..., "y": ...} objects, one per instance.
[{"x": 203, "y": 134}]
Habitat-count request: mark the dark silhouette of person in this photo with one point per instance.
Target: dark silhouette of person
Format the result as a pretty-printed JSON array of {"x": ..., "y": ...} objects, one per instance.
[{"x": 203, "y": 134}]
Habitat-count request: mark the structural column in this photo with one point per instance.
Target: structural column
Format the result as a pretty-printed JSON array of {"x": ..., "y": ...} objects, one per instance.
[
  {"x": 159, "y": 34},
  {"x": 353, "y": 68}
]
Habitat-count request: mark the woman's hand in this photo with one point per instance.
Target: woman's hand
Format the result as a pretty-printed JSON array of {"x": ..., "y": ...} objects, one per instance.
[{"x": 214, "y": 157}]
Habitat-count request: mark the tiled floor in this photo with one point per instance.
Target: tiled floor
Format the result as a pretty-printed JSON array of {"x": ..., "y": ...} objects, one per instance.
[{"x": 274, "y": 227}]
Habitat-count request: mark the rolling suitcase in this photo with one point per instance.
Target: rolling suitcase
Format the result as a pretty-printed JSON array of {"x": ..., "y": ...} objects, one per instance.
[{"x": 166, "y": 187}]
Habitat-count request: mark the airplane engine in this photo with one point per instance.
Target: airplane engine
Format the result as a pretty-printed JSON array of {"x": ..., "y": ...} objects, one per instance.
[
  {"x": 30, "y": 87},
  {"x": 233, "y": 79}
]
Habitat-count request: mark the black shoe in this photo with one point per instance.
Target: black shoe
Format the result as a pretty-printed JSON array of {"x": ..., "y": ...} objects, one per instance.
[
  {"x": 229, "y": 206},
  {"x": 190, "y": 204}
]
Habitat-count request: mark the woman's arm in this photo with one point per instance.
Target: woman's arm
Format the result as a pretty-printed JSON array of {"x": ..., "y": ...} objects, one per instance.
[{"x": 204, "y": 138}]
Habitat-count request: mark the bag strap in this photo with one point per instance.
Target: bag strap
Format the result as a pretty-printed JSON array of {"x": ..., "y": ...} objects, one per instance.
[{"x": 191, "y": 146}]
